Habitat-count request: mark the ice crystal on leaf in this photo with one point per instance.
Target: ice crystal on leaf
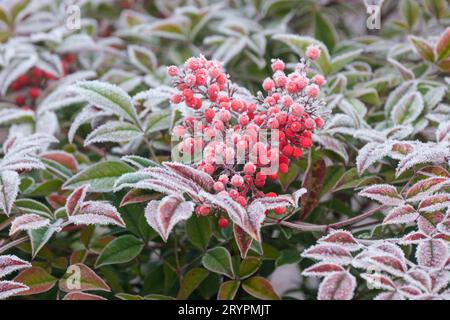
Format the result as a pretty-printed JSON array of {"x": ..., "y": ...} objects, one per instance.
[
  {"x": 97, "y": 212},
  {"x": 9, "y": 264},
  {"x": 337, "y": 286}
]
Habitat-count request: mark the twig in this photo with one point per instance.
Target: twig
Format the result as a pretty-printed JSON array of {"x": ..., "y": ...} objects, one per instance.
[{"x": 12, "y": 244}]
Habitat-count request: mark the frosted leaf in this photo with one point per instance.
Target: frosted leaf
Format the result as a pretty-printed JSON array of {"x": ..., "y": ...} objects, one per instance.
[
  {"x": 385, "y": 247},
  {"x": 243, "y": 241},
  {"x": 432, "y": 253},
  {"x": 443, "y": 132},
  {"x": 391, "y": 295},
  {"x": 423, "y": 188},
  {"x": 201, "y": 178},
  {"x": 369, "y": 135},
  {"x": 175, "y": 180},
  {"x": 439, "y": 280},
  {"x": 97, "y": 212},
  {"x": 10, "y": 263},
  {"x": 66, "y": 159},
  {"x": 27, "y": 222},
  {"x": 113, "y": 131},
  {"x": 75, "y": 200},
  {"x": 341, "y": 238},
  {"x": 9, "y": 116},
  {"x": 342, "y": 123},
  {"x": 435, "y": 154},
  {"x": 9, "y": 185},
  {"x": 402, "y": 214},
  {"x": 399, "y": 149},
  {"x": 269, "y": 203},
  {"x": 435, "y": 203},
  {"x": 142, "y": 58},
  {"x": 400, "y": 92},
  {"x": 322, "y": 269},
  {"x": 107, "y": 96},
  {"x": 159, "y": 186},
  {"x": 337, "y": 286},
  {"x": 249, "y": 221},
  {"x": 86, "y": 115},
  {"x": 165, "y": 214},
  {"x": 379, "y": 281},
  {"x": 410, "y": 292},
  {"x": 399, "y": 132},
  {"x": 328, "y": 253},
  {"x": 383, "y": 193},
  {"x": 427, "y": 222},
  {"x": 332, "y": 144},
  {"x": 298, "y": 194},
  {"x": 14, "y": 70},
  {"x": 155, "y": 96},
  {"x": 389, "y": 264},
  {"x": 413, "y": 237},
  {"x": 444, "y": 226},
  {"x": 408, "y": 108},
  {"x": 21, "y": 164},
  {"x": 419, "y": 278},
  {"x": 129, "y": 180},
  {"x": 371, "y": 153},
  {"x": 11, "y": 288}
]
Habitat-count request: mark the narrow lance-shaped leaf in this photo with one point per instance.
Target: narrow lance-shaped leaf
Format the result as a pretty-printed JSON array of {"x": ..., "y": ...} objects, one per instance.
[
  {"x": 11, "y": 263},
  {"x": 97, "y": 212},
  {"x": 27, "y": 222},
  {"x": 9, "y": 188}
]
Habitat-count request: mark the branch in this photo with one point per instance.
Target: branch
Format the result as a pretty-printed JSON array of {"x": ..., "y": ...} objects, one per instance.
[{"x": 12, "y": 244}]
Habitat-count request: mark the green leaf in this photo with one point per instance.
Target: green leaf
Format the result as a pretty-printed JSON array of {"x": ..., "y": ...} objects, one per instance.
[
  {"x": 4, "y": 16},
  {"x": 127, "y": 296},
  {"x": 33, "y": 206},
  {"x": 101, "y": 176},
  {"x": 436, "y": 8},
  {"x": 287, "y": 257},
  {"x": 408, "y": 109},
  {"x": 192, "y": 279},
  {"x": 80, "y": 277},
  {"x": 120, "y": 250},
  {"x": 108, "y": 96},
  {"x": 423, "y": 48},
  {"x": 248, "y": 267},
  {"x": 342, "y": 60},
  {"x": 218, "y": 260},
  {"x": 198, "y": 230},
  {"x": 57, "y": 169},
  {"x": 158, "y": 121},
  {"x": 396, "y": 95},
  {"x": 39, "y": 237},
  {"x": 37, "y": 279},
  {"x": 113, "y": 131},
  {"x": 410, "y": 11},
  {"x": 228, "y": 290},
  {"x": 324, "y": 31},
  {"x": 17, "y": 8},
  {"x": 139, "y": 162},
  {"x": 260, "y": 288},
  {"x": 45, "y": 188}
]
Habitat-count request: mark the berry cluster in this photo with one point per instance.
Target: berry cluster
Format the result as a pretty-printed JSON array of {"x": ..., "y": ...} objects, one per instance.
[
  {"x": 27, "y": 87},
  {"x": 224, "y": 126}
]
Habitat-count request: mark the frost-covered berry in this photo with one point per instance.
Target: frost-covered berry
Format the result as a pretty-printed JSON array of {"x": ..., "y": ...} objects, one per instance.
[
  {"x": 218, "y": 186},
  {"x": 277, "y": 65},
  {"x": 312, "y": 91},
  {"x": 237, "y": 181},
  {"x": 249, "y": 168},
  {"x": 319, "y": 79},
  {"x": 319, "y": 122},
  {"x": 172, "y": 71},
  {"x": 313, "y": 52},
  {"x": 268, "y": 84}
]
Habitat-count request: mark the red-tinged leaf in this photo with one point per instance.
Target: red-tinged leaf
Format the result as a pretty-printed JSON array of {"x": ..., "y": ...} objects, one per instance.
[
  {"x": 80, "y": 277},
  {"x": 413, "y": 237},
  {"x": 313, "y": 182},
  {"x": 410, "y": 291},
  {"x": 37, "y": 279},
  {"x": 298, "y": 194},
  {"x": 401, "y": 149},
  {"x": 369, "y": 154},
  {"x": 391, "y": 295},
  {"x": 260, "y": 288},
  {"x": 322, "y": 269},
  {"x": 249, "y": 220},
  {"x": 136, "y": 196},
  {"x": 432, "y": 253},
  {"x": 228, "y": 290},
  {"x": 74, "y": 295},
  {"x": 9, "y": 187},
  {"x": 384, "y": 193},
  {"x": 403, "y": 214},
  {"x": 428, "y": 221},
  {"x": 378, "y": 281},
  {"x": 174, "y": 181},
  {"x": 27, "y": 222},
  {"x": 10, "y": 263},
  {"x": 273, "y": 202},
  {"x": 337, "y": 286},
  {"x": 165, "y": 214},
  {"x": 435, "y": 203},
  {"x": 423, "y": 48},
  {"x": 11, "y": 288},
  {"x": 97, "y": 212},
  {"x": 444, "y": 227},
  {"x": 56, "y": 201},
  {"x": 63, "y": 158},
  {"x": 439, "y": 280},
  {"x": 443, "y": 132},
  {"x": 437, "y": 170},
  {"x": 426, "y": 187},
  {"x": 389, "y": 264},
  {"x": 329, "y": 252},
  {"x": 419, "y": 278},
  {"x": 388, "y": 248},
  {"x": 443, "y": 45},
  {"x": 243, "y": 241},
  {"x": 75, "y": 200},
  {"x": 201, "y": 178},
  {"x": 341, "y": 238}
]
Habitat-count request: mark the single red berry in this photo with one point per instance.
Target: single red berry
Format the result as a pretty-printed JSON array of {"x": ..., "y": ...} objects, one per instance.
[
  {"x": 279, "y": 210},
  {"x": 20, "y": 100},
  {"x": 223, "y": 223},
  {"x": 34, "y": 92}
]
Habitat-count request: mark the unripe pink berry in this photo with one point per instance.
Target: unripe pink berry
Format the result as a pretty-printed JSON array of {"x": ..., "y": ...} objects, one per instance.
[
  {"x": 268, "y": 84},
  {"x": 277, "y": 65},
  {"x": 302, "y": 82},
  {"x": 218, "y": 186},
  {"x": 310, "y": 124},
  {"x": 313, "y": 52},
  {"x": 237, "y": 180},
  {"x": 249, "y": 168},
  {"x": 172, "y": 71},
  {"x": 319, "y": 79},
  {"x": 286, "y": 101},
  {"x": 297, "y": 110},
  {"x": 190, "y": 80},
  {"x": 312, "y": 91}
]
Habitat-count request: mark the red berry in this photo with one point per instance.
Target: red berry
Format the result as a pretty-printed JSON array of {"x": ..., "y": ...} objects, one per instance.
[
  {"x": 287, "y": 150},
  {"x": 279, "y": 210},
  {"x": 223, "y": 223},
  {"x": 284, "y": 168},
  {"x": 20, "y": 100},
  {"x": 34, "y": 92}
]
